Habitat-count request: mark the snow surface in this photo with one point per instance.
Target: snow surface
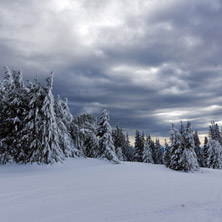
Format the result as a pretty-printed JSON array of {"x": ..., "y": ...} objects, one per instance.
[{"x": 90, "y": 190}]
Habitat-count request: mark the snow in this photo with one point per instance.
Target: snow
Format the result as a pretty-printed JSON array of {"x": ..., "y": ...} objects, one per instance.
[{"x": 88, "y": 190}]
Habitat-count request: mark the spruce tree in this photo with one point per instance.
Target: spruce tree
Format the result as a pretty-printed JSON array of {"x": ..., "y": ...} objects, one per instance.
[
  {"x": 197, "y": 149},
  {"x": 128, "y": 150},
  {"x": 205, "y": 152},
  {"x": 167, "y": 155},
  {"x": 139, "y": 147},
  {"x": 176, "y": 149},
  {"x": 12, "y": 116},
  {"x": 33, "y": 123},
  {"x": 214, "y": 159},
  {"x": 83, "y": 131},
  {"x": 64, "y": 119},
  {"x": 50, "y": 151},
  {"x": 158, "y": 152},
  {"x": 214, "y": 132},
  {"x": 7, "y": 87},
  {"x": 189, "y": 158},
  {"x": 147, "y": 152},
  {"x": 119, "y": 142},
  {"x": 104, "y": 132}
]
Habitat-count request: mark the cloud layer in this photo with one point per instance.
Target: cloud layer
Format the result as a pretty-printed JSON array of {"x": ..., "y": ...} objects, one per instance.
[{"x": 150, "y": 63}]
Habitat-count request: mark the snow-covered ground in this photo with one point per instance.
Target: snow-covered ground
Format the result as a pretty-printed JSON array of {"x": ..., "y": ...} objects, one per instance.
[{"x": 92, "y": 190}]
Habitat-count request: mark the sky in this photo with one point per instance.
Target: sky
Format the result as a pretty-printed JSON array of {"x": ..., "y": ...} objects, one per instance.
[{"x": 149, "y": 62}]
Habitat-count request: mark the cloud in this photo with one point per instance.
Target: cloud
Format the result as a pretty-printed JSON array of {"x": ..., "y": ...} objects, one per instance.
[{"x": 148, "y": 62}]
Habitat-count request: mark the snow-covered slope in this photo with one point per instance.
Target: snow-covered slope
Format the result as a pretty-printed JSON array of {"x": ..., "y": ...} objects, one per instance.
[{"x": 96, "y": 191}]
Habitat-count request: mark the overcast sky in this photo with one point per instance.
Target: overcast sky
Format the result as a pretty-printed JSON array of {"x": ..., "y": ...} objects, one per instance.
[{"x": 149, "y": 62}]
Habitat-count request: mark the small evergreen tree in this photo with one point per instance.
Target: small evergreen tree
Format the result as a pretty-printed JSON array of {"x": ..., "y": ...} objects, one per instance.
[
  {"x": 205, "y": 152},
  {"x": 139, "y": 147},
  {"x": 64, "y": 119},
  {"x": 83, "y": 131},
  {"x": 214, "y": 159},
  {"x": 167, "y": 155},
  {"x": 176, "y": 149},
  {"x": 189, "y": 158},
  {"x": 147, "y": 152},
  {"x": 128, "y": 150},
  {"x": 197, "y": 149},
  {"x": 104, "y": 132},
  {"x": 214, "y": 132},
  {"x": 119, "y": 142},
  {"x": 158, "y": 152}
]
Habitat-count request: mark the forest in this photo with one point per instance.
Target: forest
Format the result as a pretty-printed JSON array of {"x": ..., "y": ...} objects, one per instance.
[{"x": 36, "y": 127}]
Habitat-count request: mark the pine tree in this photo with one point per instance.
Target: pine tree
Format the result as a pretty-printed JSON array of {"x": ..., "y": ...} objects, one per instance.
[
  {"x": 197, "y": 149},
  {"x": 7, "y": 87},
  {"x": 119, "y": 142},
  {"x": 167, "y": 155},
  {"x": 147, "y": 152},
  {"x": 12, "y": 115},
  {"x": 176, "y": 150},
  {"x": 205, "y": 152},
  {"x": 214, "y": 132},
  {"x": 128, "y": 150},
  {"x": 158, "y": 152},
  {"x": 83, "y": 131},
  {"x": 64, "y": 119},
  {"x": 50, "y": 151},
  {"x": 152, "y": 149},
  {"x": 32, "y": 123},
  {"x": 214, "y": 159},
  {"x": 139, "y": 147},
  {"x": 104, "y": 132},
  {"x": 91, "y": 143},
  {"x": 189, "y": 158}
]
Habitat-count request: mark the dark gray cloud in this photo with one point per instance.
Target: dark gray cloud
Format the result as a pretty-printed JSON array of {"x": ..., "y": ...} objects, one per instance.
[{"x": 150, "y": 63}]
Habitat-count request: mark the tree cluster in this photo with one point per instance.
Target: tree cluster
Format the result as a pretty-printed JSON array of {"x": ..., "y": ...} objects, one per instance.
[
  {"x": 147, "y": 150},
  {"x": 185, "y": 152},
  {"x": 37, "y": 128}
]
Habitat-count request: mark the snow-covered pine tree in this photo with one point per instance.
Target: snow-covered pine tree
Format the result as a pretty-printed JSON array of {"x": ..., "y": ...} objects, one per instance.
[
  {"x": 147, "y": 152},
  {"x": 167, "y": 154},
  {"x": 197, "y": 149},
  {"x": 158, "y": 152},
  {"x": 32, "y": 129},
  {"x": 176, "y": 151},
  {"x": 21, "y": 103},
  {"x": 83, "y": 131},
  {"x": 214, "y": 132},
  {"x": 50, "y": 151},
  {"x": 152, "y": 148},
  {"x": 214, "y": 159},
  {"x": 64, "y": 119},
  {"x": 119, "y": 140},
  {"x": 189, "y": 158},
  {"x": 128, "y": 150},
  {"x": 91, "y": 146},
  {"x": 12, "y": 115},
  {"x": 205, "y": 152},
  {"x": 104, "y": 132},
  {"x": 91, "y": 143},
  {"x": 7, "y": 87},
  {"x": 139, "y": 146}
]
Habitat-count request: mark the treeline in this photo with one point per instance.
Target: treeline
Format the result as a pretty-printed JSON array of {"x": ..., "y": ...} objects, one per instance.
[
  {"x": 184, "y": 151},
  {"x": 37, "y": 128}
]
